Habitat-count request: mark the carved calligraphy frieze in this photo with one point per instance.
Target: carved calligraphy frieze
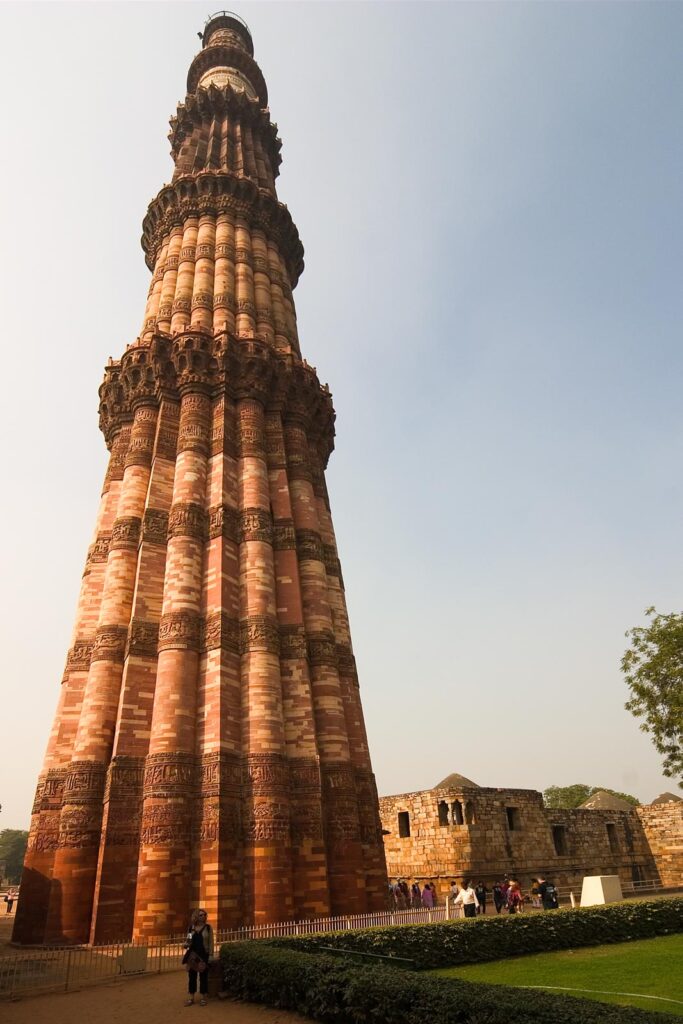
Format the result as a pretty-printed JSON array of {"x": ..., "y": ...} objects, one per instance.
[
  {"x": 187, "y": 519},
  {"x": 224, "y": 521},
  {"x": 124, "y": 779},
  {"x": 84, "y": 783},
  {"x": 80, "y": 827},
  {"x": 304, "y": 775},
  {"x": 110, "y": 644},
  {"x": 166, "y": 824},
  {"x": 256, "y": 524},
  {"x": 171, "y": 774},
  {"x": 265, "y": 773},
  {"x": 80, "y": 655},
  {"x": 309, "y": 545},
  {"x": 155, "y": 526},
  {"x": 293, "y": 643},
  {"x": 220, "y": 773},
  {"x": 284, "y": 535},
  {"x": 259, "y": 633},
  {"x": 346, "y": 662},
  {"x": 99, "y": 550},
  {"x": 322, "y": 649},
  {"x": 179, "y": 631},
  {"x": 125, "y": 533},
  {"x": 332, "y": 567},
  {"x": 220, "y": 630}
]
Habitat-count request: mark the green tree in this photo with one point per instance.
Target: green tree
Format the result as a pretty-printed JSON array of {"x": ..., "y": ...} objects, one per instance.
[
  {"x": 566, "y": 797},
  {"x": 653, "y": 667},
  {"x": 12, "y": 849}
]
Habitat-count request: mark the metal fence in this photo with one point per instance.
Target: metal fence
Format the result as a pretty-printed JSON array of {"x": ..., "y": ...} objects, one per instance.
[
  {"x": 381, "y": 918},
  {"x": 39, "y": 969},
  {"x": 65, "y": 968}
]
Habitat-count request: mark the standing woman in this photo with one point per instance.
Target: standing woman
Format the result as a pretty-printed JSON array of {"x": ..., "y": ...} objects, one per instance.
[{"x": 199, "y": 949}]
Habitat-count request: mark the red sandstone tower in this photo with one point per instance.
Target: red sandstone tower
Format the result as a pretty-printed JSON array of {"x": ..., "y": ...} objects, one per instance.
[{"x": 209, "y": 746}]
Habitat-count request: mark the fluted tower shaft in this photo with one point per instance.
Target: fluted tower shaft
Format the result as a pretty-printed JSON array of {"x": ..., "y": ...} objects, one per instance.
[{"x": 209, "y": 745}]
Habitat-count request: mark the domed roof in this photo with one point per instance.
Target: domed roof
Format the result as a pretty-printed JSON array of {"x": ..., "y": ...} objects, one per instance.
[
  {"x": 603, "y": 801},
  {"x": 456, "y": 781},
  {"x": 665, "y": 798}
]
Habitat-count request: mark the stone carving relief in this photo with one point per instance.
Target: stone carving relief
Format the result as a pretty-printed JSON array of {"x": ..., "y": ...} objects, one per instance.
[
  {"x": 259, "y": 633},
  {"x": 256, "y": 524},
  {"x": 125, "y": 533},
  {"x": 284, "y": 535},
  {"x": 220, "y": 630},
  {"x": 79, "y": 657},
  {"x": 187, "y": 519},
  {"x": 179, "y": 631},
  {"x": 224, "y": 521},
  {"x": 293, "y": 643},
  {"x": 169, "y": 774},
  {"x": 309, "y": 545},
  {"x": 322, "y": 650},
  {"x": 110, "y": 644},
  {"x": 155, "y": 526}
]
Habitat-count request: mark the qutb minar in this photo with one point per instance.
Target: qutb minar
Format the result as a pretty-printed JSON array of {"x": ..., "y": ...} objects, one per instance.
[{"x": 209, "y": 746}]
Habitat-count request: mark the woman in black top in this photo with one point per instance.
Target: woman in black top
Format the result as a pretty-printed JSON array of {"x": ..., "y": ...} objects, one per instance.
[{"x": 199, "y": 946}]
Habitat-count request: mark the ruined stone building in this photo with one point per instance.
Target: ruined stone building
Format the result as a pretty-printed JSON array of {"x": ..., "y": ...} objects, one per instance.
[
  {"x": 459, "y": 829},
  {"x": 209, "y": 746}
]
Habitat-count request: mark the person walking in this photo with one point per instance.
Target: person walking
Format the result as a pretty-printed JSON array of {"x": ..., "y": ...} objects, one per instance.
[
  {"x": 548, "y": 894},
  {"x": 428, "y": 896},
  {"x": 481, "y": 896},
  {"x": 498, "y": 896},
  {"x": 199, "y": 950},
  {"x": 416, "y": 894},
  {"x": 467, "y": 898},
  {"x": 515, "y": 900}
]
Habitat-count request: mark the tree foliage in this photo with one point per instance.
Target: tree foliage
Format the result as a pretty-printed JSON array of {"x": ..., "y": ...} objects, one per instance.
[
  {"x": 653, "y": 667},
  {"x": 566, "y": 797},
  {"x": 12, "y": 850}
]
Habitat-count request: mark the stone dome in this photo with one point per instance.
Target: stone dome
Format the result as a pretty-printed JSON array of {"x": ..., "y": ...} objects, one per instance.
[
  {"x": 603, "y": 801},
  {"x": 666, "y": 798},
  {"x": 456, "y": 781}
]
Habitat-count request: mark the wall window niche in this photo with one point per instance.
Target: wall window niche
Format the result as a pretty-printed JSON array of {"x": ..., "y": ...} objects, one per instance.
[
  {"x": 469, "y": 813},
  {"x": 613, "y": 838},
  {"x": 457, "y": 813},
  {"x": 560, "y": 840},
  {"x": 514, "y": 820},
  {"x": 403, "y": 825},
  {"x": 443, "y": 813}
]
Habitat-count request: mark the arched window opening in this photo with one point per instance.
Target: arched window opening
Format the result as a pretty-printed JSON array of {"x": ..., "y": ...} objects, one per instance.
[
  {"x": 469, "y": 813},
  {"x": 457, "y": 813},
  {"x": 443, "y": 813}
]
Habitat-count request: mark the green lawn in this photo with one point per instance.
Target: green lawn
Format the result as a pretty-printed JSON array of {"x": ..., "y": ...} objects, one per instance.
[{"x": 649, "y": 967}]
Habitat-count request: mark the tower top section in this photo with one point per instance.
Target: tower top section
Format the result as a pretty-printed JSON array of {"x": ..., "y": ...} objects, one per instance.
[
  {"x": 227, "y": 29},
  {"x": 227, "y": 58}
]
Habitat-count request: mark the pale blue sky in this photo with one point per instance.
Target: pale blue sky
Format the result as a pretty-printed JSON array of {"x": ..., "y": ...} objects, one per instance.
[{"x": 489, "y": 198}]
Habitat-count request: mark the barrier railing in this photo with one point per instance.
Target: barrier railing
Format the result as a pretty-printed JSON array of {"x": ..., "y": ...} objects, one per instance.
[
  {"x": 40, "y": 969},
  {"x": 63, "y": 968}
]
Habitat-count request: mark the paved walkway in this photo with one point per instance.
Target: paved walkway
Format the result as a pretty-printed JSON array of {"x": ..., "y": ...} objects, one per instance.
[{"x": 155, "y": 1000}]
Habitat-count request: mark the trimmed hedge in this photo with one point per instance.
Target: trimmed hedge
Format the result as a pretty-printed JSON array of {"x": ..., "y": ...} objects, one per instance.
[
  {"x": 495, "y": 938},
  {"x": 335, "y": 991}
]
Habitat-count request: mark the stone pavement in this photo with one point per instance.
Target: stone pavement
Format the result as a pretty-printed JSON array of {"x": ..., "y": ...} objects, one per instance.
[{"x": 158, "y": 999}]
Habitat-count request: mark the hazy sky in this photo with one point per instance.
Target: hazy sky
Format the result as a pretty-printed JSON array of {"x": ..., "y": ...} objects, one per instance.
[{"x": 489, "y": 197}]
